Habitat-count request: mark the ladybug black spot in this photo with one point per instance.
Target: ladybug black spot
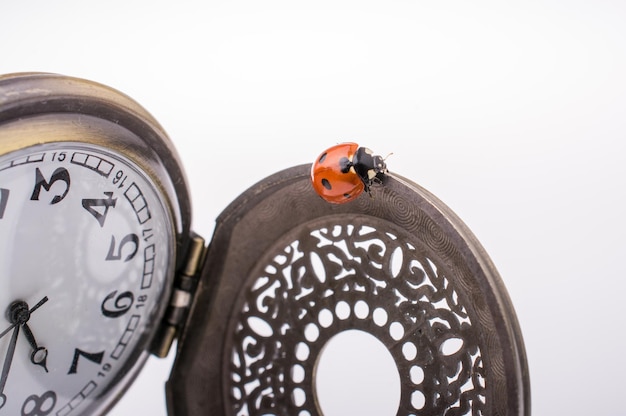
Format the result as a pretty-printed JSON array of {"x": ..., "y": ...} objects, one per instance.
[
  {"x": 323, "y": 157},
  {"x": 346, "y": 195},
  {"x": 345, "y": 164},
  {"x": 326, "y": 184}
]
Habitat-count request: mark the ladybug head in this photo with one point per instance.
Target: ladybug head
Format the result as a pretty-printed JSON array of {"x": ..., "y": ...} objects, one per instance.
[
  {"x": 379, "y": 164},
  {"x": 368, "y": 165}
]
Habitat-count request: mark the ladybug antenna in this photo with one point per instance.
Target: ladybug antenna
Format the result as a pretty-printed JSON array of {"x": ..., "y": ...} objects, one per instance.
[{"x": 383, "y": 168}]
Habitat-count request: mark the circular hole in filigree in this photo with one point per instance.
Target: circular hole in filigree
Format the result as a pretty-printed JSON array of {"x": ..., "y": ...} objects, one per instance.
[
  {"x": 409, "y": 350},
  {"x": 297, "y": 373},
  {"x": 396, "y": 261},
  {"x": 355, "y": 375},
  {"x": 380, "y": 316},
  {"x": 342, "y": 309},
  {"x": 236, "y": 393},
  {"x": 236, "y": 378},
  {"x": 311, "y": 332},
  {"x": 417, "y": 374},
  {"x": 481, "y": 380},
  {"x": 260, "y": 326},
  {"x": 396, "y": 330},
  {"x": 298, "y": 396},
  {"x": 318, "y": 266},
  {"x": 325, "y": 318},
  {"x": 418, "y": 400},
  {"x": 302, "y": 351},
  {"x": 451, "y": 346},
  {"x": 361, "y": 309}
]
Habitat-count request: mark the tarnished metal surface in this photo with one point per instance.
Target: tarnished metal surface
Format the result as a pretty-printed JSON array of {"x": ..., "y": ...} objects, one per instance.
[{"x": 287, "y": 271}]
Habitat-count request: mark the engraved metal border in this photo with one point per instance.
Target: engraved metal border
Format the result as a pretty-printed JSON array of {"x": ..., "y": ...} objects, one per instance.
[{"x": 282, "y": 213}]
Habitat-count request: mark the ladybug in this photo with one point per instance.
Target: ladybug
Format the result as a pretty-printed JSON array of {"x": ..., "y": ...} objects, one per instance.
[{"x": 343, "y": 172}]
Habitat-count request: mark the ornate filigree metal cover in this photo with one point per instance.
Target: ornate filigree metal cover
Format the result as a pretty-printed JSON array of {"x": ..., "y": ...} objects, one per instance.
[{"x": 286, "y": 272}]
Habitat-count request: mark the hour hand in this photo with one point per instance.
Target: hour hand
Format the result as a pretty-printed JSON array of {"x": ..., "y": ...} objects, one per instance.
[{"x": 40, "y": 354}]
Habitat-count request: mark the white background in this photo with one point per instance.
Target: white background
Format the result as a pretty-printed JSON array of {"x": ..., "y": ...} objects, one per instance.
[{"x": 514, "y": 114}]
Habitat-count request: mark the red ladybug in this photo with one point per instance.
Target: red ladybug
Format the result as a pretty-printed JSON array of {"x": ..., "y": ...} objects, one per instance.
[{"x": 343, "y": 172}]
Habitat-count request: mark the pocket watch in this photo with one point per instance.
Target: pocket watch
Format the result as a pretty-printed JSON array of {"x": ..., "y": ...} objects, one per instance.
[{"x": 99, "y": 268}]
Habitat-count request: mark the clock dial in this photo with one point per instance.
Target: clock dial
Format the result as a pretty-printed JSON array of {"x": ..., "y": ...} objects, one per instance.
[{"x": 86, "y": 244}]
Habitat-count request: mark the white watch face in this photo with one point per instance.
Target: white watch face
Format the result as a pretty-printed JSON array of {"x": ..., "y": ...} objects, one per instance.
[{"x": 85, "y": 259}]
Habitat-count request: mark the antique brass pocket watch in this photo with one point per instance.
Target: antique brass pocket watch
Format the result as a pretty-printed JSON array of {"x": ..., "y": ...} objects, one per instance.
[{"x": 99, "y": 268}]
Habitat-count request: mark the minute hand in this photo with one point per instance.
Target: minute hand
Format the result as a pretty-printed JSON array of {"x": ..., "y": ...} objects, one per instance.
[{"x": 8, "y": 359}]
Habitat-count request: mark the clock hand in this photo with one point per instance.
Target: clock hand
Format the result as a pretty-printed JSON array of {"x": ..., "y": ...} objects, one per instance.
[
  {"x": 21, "y": 314},
  {"x": 7, "y": 365},
  {"x": 41, "y": 302},
  {"x": 40, "y": 354},
  {"x": 6, "y": 331}
]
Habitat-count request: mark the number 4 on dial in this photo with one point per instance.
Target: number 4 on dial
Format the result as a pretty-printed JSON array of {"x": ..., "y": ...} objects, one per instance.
[{"x": 104, "y": 204}]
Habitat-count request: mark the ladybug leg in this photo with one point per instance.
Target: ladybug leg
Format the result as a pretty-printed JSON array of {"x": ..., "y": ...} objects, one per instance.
[
  {"x": 368, "y": 188},
  {"x": 368, "y": 184}
]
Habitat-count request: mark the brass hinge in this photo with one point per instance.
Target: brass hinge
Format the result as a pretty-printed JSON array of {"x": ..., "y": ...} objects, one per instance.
[{"x": 184, "y": 288}]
